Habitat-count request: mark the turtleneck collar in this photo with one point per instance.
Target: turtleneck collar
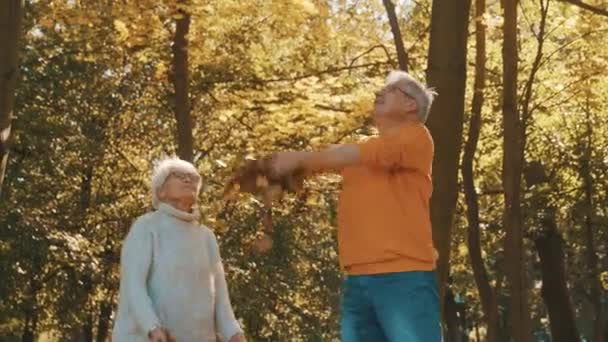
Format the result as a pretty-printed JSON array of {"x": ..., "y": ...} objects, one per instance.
[{"x": 182, "y": 215}]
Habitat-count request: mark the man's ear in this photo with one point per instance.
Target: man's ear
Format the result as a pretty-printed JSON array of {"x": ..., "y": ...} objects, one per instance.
[{"x": 411, "y": 106}]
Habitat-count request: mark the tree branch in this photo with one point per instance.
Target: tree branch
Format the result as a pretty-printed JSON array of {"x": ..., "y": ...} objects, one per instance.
[
  {"x": 586, "y": 6},
  {"x": 402, "y": 56},
  {"x": 331, "y": 70},
  {"x": 527, "y": 96},
  {"x": 388, "y": 55},
  {"x": 581, "y": 37}
]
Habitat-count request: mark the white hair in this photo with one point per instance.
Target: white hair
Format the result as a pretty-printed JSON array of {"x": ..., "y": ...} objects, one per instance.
[
  {"x": 420, "y": 93},
  {"x": 162, "y": 170}
]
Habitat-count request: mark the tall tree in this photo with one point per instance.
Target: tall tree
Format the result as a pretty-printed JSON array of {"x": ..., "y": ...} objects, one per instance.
[
  {"x": 392, "y": 19},
  {"x": 593, "y": 281},
  {"x": 10, "y": 32},
  {"x": 548, "y": 242},
  {"x": 512, "y": 162},
  {"x": 185, "y": 141},
  {"x": 487, "y": 295},
  {"x": 550, "y": 247},
  {"x": 446, "y": 72}
]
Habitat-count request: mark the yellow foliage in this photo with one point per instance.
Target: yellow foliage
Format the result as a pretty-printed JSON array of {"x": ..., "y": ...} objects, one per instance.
[{"x": 121, "y": 28}]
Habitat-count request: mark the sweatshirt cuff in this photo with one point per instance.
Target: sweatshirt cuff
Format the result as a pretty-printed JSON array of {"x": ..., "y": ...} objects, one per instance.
[{"x": 229, "y": 329}]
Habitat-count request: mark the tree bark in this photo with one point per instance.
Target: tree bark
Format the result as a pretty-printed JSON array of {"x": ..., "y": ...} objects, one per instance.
[
  {"x": 455, "y": 317},
  {"x": 446, "y": 71},
  {"x": 105, "y": 308},
  {"x": 402, "y": 56},
  {"x": 487, "y": 295},
  {"x": 11, "y": 12},
  {"x": 103, "y": 323},
  {"x": 31, "y": 318},
  {"x": 29, "y": 329},
  {"x": 87, "y": 328},
  {"x": 511, "y": 176},
  {"x": 595, "y": 287},
  {"x": 549, "y": 245},
  {"x": 180, "y": 79}
]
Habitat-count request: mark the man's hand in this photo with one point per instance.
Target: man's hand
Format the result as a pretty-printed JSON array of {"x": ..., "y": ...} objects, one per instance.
[
  {"x": 284, "y": 163},
  {"x": 238, "y": 337},
  {"x": 160, "y": 335}
]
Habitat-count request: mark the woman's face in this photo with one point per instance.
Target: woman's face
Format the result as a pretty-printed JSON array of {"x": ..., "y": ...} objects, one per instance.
[{"x": 180, "y": 186}]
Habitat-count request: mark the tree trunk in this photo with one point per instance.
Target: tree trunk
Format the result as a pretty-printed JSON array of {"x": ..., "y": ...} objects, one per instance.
[
  {"x": 87, "y": 328},
  {"x": 85, "y": 192},
  {"x": 30, "y": 325},
  {"x": 451, "y": 317},
  {"x": 511, "y": 176},
  {"x": 30, "y": 309},
  {"x": 103, "y": 323},
  {"x": 486, "y": 293},
  {"x": 392, "y": 19},
  {"x": 105, "y": 308},
  {"x": 10, "y": 31},
  {"x": 446, "y": 72},
  {"x": 595, "y": 287},
  {"x": 555, "y": 293},
  {"x": 455, "y": 317},
  {"x": 185, "y": 145},
  {"x": 28, "y": 333}
]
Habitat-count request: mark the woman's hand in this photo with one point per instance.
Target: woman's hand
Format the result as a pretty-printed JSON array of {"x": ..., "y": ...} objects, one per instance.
[
  {"x": 160, "y": 335},
  {"x": 238, "y": 337}
]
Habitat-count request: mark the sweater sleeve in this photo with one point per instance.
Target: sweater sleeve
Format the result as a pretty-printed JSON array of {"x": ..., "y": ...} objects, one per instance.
[
  {"x": 136, "y": 256},
  {"x": 225, "y": 321},
  {"x": 411, "y": 149}
]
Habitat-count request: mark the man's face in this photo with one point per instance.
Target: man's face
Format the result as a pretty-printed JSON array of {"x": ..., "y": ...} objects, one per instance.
[{"x": 393, "y": 103}]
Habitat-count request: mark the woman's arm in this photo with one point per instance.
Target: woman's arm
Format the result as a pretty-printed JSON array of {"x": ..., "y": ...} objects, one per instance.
[
  {"x": 225, "y": 321},
  {"x": 136, "y": 257}
]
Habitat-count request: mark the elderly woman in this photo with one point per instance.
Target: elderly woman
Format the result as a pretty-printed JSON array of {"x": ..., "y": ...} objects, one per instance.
[
  {"x": 172, "y": 285},
  {"x": 384, "y": 230}
]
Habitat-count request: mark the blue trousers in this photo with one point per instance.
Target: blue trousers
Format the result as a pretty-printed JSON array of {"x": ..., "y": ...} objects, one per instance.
[{"x": 395, "y": 307}]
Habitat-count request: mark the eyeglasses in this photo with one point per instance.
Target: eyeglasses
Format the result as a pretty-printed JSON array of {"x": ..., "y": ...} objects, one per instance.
[
  {"x": 390, "y": 88},
  {"x": 186, "y": 176}
]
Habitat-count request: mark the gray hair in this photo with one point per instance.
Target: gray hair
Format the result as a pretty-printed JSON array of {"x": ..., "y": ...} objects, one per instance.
[
  {"x": 420, "y": 93},
  {"x": 162, "y": 170}
]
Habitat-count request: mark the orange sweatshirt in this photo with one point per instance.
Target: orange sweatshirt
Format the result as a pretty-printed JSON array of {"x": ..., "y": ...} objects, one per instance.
[{"x": 383, "y": 212}]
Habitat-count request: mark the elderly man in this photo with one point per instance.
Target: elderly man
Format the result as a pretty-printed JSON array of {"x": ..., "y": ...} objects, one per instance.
[
  {"x": 384, "y": 230},
  {"x": 172, "y": 285}
]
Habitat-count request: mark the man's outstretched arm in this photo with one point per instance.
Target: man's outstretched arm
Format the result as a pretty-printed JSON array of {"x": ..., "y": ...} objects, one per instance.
[{"x": 336, "y": 157}]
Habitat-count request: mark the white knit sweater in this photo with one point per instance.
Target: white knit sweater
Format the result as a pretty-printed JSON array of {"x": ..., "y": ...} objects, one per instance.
[{"x": 172, "y": 275}]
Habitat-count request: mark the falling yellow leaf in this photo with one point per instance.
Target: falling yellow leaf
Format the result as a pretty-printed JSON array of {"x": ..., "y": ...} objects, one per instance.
[
  {"x": 121, "y": 28},
  {"x": 160, "y": 71},
  {"x": 463, "y": 250},
  {"x": 307, "y": 6},
  {"x": 46, "y": 23}
]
